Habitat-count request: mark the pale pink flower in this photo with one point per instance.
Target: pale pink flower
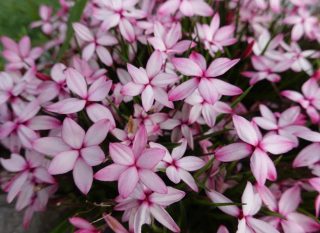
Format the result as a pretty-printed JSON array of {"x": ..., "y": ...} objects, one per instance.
[
  {"x": 186, "y": 7},
  {"x": 178, "y": 167},
  {"x": 119, "y": 13},
  {"x": 289, "y": 123},
  {"x": 287, "y": 205},
  {"x": 95, "y": 43},
  {"x": 167, "y": 40},
  {"x": 25, "y": 123},
  {"x": 47, "y": 21},
  {"x": 303, "y": 22},
  {"x": 252, "y": 204},
  {"x": 209, "y": 112},
  {"x": 258, "y": 146},
  {"x": 298, "y": 57},
  {"x": 31, "y": 170},
  {"x": 266, "y": 69},
  {"x": 265, "y": 44},
  {"x": 215, "y": 38},
  {"x": 180, "y": 126},
  {"x": 210, "y": 88},
  {"x": 83, "y": 225},
  {"x": 144, "y": 204},
  {"x": 134, "y": 164},
  {"x": 10, "y": 88},
  {"x": 309, "y": 99},
  {"x": 150, "y": 82},
  {"x": 275, "y": 5},
  {"x": 88, "y": 97},
  {"x": 19, "y": 55},
  {"x": 75, "y": 150}
]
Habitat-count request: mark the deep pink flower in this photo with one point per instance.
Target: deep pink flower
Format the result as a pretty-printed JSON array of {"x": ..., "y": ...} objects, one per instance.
[
  {"x": 134, "y": 164},
  {"x": 210, "y": 88},
  {"x": 75, "y": 150}
]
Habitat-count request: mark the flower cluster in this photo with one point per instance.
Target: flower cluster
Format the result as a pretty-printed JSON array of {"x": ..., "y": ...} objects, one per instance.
[{"x": 140, "y": 116}]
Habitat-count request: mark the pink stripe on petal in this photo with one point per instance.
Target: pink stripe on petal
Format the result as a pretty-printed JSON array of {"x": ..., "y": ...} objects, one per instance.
[
  {"x": 162, "y": 216},
  {"x": 121, "y": 154},
  {"x": 110, "y": 173},
  {"x": 63, "y": 162},
  {"x": 183, "y": 90},
  {"x": 152, "y": 181},
  {"x": 72, "y": 133},
  {"x": 127, "y": 182}
]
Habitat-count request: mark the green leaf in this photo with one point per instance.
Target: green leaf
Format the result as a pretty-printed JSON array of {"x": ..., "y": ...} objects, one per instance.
[
  {"x": 241, "y": 97},
  {"x": 74, "y": 16}
]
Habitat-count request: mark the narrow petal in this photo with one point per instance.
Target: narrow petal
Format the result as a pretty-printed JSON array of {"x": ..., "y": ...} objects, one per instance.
[
  {"x": 220, "y": 66},
  {"x": 187, "y": 67},
  {"x": 217, "y": 197},
  {"x": 276, "y": 144},
  {"x": 110, "y": 173},
  {"x": 97, "y": 133},
  {"x": 139, "y": 76},
  {"x": 15, "y": 163},
  {"x": 208, "y": 91},
  {"x": 152, "y": 181},
  {"x": 154, "y": 64},
  {"x": 183, "y": 90},
  {"x": 67, "y": 106},
  {"x": 173, "y": 195},
  {"x": 83, "y": 32},
  {"x": 225, "y": 88},
  {"x": 289, "y": 200},
  {"x": 92, "y": 155},
  {"x": 251, "y": 200},
  {"x": 233, "y": 152},
  {"x": 63, "y": 162},
  {"x": 76, "y": 82},
  {"x": 83, "y": 176},
  {"x": 245, "y": 130},
  {"x": 128, "y": 181},
  {"x": 72, "y": 133},
  {"x": 190, "y": 163},
  {"x": 147, "y": 98},
  {"x": 260, "y": 226},
  {"x": 150, "y": 158},
  {"x": 132, "y": 89},
  {"x": 140, "y": 141},
  {"x": 104, "y": 55},
  {"x": 50, "y": 145},
  {"x": 121, "y": 154},
  {"x": 188, "y": 179},
  {"x": 162, "y": 216}
]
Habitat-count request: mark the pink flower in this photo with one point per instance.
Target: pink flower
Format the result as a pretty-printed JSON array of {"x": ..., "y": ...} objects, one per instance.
[
  {"x": 289, "y": 201},
  {"x": 209, "y": 112},
  {"x": 83, "y": 225},
  {"x": 119, "y": 13},
  {"x": 19, "y": 55},
  {"x": 134, "y": 164},
  {"x": 303, "y": 23},
  {"x": 261, "y": 165},
  {"x": 95, "y": 43},
  {"x": 252, "y": 204},
  {"x": 210, "y": 88},
  {"x": 266, "y": 69},
  {"x": 145, "y": 203},
  {"x": 186, "y": 7},
  {"x": 215, "y": 38},
  {"x": 31, "y": 171},
  {"x": 150, "y": 82},
  {"x": 167, "y": 41},
  {"x": 46, "y": 23},
  {"x": 10, "y": 88},
  {"x": 88, "y": 97},
  {"x": 178, "y": 167},
  {"x": 24, "y": 122},
  {"x": 76, "y": 150},
  {"x": 309, "y": 99},
  {"x": 289, "y": 123},
  {"x": 308, "y": 156}
]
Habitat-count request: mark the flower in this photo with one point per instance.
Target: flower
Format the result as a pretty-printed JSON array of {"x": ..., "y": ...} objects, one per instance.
[
  {"x": 75, "y": 150},
  {"x": 133, "y": 165}
]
